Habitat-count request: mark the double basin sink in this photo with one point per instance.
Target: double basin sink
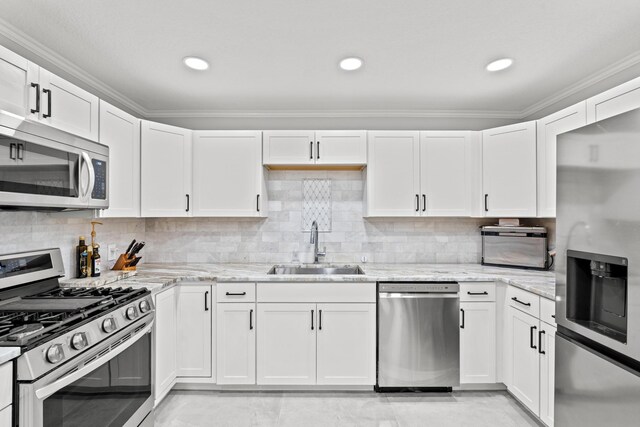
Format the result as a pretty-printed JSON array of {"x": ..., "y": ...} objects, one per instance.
[{"x": 316, "y": 269}]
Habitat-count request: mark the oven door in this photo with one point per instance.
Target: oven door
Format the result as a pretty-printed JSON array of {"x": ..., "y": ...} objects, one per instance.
[
  {"x": 37, "y": 172},
  {"x": 110, "y": 387}
]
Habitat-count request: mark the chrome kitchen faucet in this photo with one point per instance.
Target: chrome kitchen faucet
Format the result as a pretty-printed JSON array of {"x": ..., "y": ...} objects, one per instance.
[{"x": 314, "y": 241}]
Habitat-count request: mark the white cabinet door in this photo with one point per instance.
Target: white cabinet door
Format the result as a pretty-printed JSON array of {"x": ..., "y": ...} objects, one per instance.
[
  {"x": 287, "y": 344},
  {"x": 548, "y": 129},
  {"x": 478, "y": 342},
  {"x": 120, "y": 131},
  {"x": 228, "y": 174},
  {"x": 194, "y": 331},
  {"x": 341, "y": 147},
  {"x": 509, "y": 170},
  {"x": 393, "y": 173},
  {"x": 236, "y": 346},
  {"x": 289, "y": 147},
  {"x": 165, "y": 170},
  {"x": 6, "y": 416},
  {"x": 346, "y": 344},
  {"x": 445, "y": 173},
  {"x": 524, "y": 363},
  {"x": 165, "y": 343},
  {"x": 67, "y": 107},
  {"x": 547, "y": 351},
  {"x": 18, "y": 85},
  {"x": 620, "y": 99}
]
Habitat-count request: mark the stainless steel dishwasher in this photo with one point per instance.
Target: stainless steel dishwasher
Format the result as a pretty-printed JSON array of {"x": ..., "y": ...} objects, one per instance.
[{"x": 418, "y": 336}]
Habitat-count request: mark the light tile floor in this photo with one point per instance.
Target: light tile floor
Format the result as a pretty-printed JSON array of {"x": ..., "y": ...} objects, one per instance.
[{"x": 308, "y": 409}]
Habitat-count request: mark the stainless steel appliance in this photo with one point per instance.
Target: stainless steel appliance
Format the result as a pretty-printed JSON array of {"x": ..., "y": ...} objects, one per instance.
[
  {"x": 598, "y": 274},
  {"x": 418, "y": 336},
  {"x": 524, "y": 247},
  {"x": 86, "y": 353},
  {"x": 44, "y": 168}
]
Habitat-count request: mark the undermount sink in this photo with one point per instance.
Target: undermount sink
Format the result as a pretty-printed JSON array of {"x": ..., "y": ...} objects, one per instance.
[{"x": 312, "y": 269}]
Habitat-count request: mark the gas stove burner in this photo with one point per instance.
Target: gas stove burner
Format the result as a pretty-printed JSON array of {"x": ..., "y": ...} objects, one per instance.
[{"x": 22, "y": 331}]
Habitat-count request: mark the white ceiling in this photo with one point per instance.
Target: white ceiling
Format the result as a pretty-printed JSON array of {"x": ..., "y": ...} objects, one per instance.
[{"x": 282, "y": 55}]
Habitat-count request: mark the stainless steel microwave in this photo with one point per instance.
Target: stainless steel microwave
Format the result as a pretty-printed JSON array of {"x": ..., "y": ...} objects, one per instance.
[
  {"x": 523, "y": 247},
  {"x": 42, "y": 168}
]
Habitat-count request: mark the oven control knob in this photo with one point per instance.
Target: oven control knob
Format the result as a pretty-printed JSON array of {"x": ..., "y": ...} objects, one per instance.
[
  {"x": 144, "y": 306},
  {"x": 131, "y": 313},
  {"x": 55, "y": 353},
  {"x": 79, "y": 341},
  {"x": 109, "y": 325}
]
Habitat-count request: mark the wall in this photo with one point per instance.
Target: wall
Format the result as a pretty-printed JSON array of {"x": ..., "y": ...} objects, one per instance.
[{"x": 272, "y": 240}]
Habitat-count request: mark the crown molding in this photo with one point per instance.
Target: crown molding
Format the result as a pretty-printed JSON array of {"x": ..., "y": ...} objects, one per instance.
[{"x": 10, "y": 32}]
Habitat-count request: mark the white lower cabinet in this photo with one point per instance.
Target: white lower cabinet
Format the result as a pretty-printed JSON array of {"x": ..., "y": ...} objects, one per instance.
[
  {"x": 547, "y": 372},
  {"x": 287, "y": 344},
  {"x": 525, "y": 361},
  {"x": 165, "y": 343},
  {"x": 346, "y": 344},
  {"x": 478, "y": 342},
  {"x": 194, "y": 340},
  {"x": 236, "y": 347}
]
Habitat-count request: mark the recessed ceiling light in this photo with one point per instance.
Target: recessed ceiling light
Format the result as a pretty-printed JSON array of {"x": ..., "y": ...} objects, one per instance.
[
  {"x": 500, "y": 64},
  {"x": 195, "y": 63},
  {"x": 351, "y": 64}
]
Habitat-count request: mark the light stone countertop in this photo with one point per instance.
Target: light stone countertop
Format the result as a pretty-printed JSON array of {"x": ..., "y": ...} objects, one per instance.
[
  {"x": 158, "y": 276},
  {"x": 8, "y": 353}
]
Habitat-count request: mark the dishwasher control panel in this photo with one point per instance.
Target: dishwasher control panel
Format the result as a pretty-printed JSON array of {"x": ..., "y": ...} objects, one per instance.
[{"x": 420, "y": 287}]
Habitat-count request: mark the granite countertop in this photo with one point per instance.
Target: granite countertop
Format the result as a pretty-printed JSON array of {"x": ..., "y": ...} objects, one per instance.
[
  {"x": 8, "y": 353},
  {"x": 158, "y": 276}
]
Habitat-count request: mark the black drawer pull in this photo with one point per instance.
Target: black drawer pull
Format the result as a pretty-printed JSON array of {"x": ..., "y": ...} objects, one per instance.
[
  {"x": 312, "y": 320},
  {"x": 462, "y": 326},
  {"x": 311, "y": 150},
  {"x": 528, "y": 304},
  {"x": 12, "y": 151},
  {"x": 235, "y": 294},
  {"x": 37, "y": 109},
  {"x": 417, "y": 203},
  {"x": 478, "y": 293},
  {"x": 540, "y": 342},
  {"x": 486, "y": 203},
  {"x": 258, "y": 203},
  {"x": 250, "y": 319},
  {"x": 206, "y": 301},
  {"x": 531, "y": 335},
  {"x": 319, "y": 320},
  {"x": 48, "y": 92}
]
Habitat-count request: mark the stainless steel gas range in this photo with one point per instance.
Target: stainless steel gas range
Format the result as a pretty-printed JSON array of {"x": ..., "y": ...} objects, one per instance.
[{"x": 86, "y": 353}]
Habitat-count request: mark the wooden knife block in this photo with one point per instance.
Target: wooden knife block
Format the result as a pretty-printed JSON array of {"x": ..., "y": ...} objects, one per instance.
[{"x": 124, "y": 263}]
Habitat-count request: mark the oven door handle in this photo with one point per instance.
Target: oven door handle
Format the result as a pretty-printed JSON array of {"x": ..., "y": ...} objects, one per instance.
[{"x": 62, "y": 382}]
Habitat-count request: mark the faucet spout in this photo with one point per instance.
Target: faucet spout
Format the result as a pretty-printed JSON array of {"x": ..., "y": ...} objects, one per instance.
[{"x": 314, "y": 241}]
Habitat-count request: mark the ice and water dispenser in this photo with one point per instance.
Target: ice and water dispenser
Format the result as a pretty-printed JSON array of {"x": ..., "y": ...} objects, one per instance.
[{"x": 597, "y": 293}]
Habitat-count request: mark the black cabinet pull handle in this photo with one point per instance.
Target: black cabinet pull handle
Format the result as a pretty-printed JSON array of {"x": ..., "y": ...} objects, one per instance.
[
  {"x": 424, "y": 203},
  {"x": 318, "y": 150},
  {"x": 206, "y": 301},
  {"x": 251, "y": 319},
  {"x": 37, "y": 109},
  {"x": 486, "y": 203},
  {"x": 12, "y": 151},
  {"x": 462, "y": 326},
  {"x": 48, "y": 113},
  {"x": 478, "y": 293},
  {"x": 520, "y": 302},
  {"x": 540, "y": 350},
  {"x": 258, "y": 203},
  {"x": 553, "y": 315},
  {"x": 188, "y": 203},
  {"x": 236, "y": 294},
  {"x": 311, "y": 150},
  {"x": 20, "y": 151},
  {"x": 417, "y": 203},
  {"x": 319, "y": 320},
  {"x": 531, "y": 335},
  {"x": 312, "y": 320}
]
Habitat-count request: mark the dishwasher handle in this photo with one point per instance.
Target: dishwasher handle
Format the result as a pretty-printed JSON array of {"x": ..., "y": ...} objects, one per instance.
[{"x": 417, "y": 295}]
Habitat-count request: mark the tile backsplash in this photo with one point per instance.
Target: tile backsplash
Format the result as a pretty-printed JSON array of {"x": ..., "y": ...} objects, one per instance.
[{"x": 276, "y": 239}]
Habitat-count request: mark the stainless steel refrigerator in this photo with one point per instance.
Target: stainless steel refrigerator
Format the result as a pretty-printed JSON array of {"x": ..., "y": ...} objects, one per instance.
[{"x": 597, "y": 366}]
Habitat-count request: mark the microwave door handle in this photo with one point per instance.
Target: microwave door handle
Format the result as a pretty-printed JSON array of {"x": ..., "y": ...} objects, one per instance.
[
  {"x": 92, "y": 174},
  {"x": 60, "y": 383}
]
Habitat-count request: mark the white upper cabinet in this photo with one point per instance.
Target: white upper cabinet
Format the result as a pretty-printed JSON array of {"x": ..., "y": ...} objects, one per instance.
[
  {"x": 67, "y": 107},
  {"x": 332, "y": 147},
  {"x": 120, "y": 131},
  {"x": 165, "y": 171},
  {"x": 228, "y": 174},
  {"x": 341, "y": 147},
  {"x": 548, "y": 129},
  {"x": 19, "y": 85},
  {"x": 620, "y": 99},
  {"x": 393, "y": 173},
  {"x": 509, "y": 170},
  {"x": 289, "y": 147},
  {"x": 446, "y": 173}
]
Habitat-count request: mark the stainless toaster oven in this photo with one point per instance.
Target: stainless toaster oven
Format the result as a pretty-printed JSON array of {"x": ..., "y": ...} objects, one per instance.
[{"x": 523, "y": 247}]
